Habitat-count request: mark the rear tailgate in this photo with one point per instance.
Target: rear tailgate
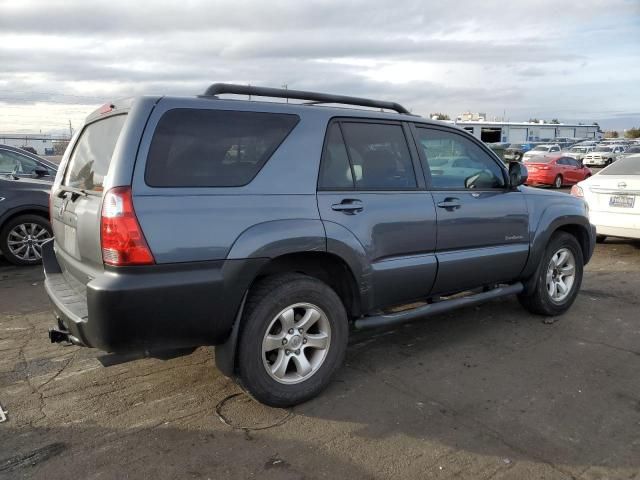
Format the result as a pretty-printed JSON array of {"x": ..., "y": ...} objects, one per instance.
[{"x": 77, "y": 200}]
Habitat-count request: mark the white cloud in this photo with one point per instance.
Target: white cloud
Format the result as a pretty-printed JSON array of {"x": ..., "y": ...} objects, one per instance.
[{"x": 545, "y": 58}]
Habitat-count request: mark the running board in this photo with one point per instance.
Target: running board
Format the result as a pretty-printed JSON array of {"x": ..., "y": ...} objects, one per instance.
[{"x": 435, "y": 308}]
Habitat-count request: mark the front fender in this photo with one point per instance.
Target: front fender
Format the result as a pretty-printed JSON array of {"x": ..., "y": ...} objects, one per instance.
[{"x": 545, "y": 221}]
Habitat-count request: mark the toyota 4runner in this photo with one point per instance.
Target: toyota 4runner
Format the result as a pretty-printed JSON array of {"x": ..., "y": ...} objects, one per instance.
[{"x": 271, "y": 229}]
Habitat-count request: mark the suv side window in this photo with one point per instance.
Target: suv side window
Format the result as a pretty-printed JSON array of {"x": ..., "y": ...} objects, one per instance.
[
  {"x": 555, "y": 149},
  {"x": 335, "y": 171},
  {"x": 379, "y": 156},
  {"x": 455, "y": 162},
  {"x": 213, "y": 148}
]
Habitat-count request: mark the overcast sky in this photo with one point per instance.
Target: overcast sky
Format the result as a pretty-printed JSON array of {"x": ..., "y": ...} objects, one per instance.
[{"x": 572, "y": 60}]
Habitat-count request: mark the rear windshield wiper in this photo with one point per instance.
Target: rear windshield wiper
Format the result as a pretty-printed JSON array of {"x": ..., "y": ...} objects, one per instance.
[{"x": 75, "y": 192}]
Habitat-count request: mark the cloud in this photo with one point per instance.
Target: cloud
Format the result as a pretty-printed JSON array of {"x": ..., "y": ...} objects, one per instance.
[{"x": 533, "y": 57}]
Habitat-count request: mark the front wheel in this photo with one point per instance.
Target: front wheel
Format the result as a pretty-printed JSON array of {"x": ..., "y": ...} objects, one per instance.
[
  {"x": 557, "y": 183},
  {"x": 22, "y": 237},
  {"x": 559, "y": 277},
  {"x": 293, "y": 339}
]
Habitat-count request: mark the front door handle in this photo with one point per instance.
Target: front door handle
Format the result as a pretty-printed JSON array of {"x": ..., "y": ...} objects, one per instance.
[
  {"x": 450, "y": 203},
  {"x": 348, "y": 206}
]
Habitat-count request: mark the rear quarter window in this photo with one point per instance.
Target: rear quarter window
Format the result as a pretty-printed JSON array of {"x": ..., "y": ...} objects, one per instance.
[
  {"x": 91, "y": 157},
  {"x": 213, "y": 148}
]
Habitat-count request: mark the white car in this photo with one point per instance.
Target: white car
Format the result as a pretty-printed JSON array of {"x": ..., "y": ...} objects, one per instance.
[
  {"x": 544, "y": 150},
  {"x": 602, "y": 155},
  {"x": 579, "y": 151},
  {"x": 613, "y": 197}
]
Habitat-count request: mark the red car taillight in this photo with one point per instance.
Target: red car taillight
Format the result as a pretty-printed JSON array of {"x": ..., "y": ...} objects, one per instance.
[{"x": 123, "y": 242}]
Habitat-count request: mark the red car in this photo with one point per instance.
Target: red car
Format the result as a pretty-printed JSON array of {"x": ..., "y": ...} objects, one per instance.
[{"x": 557, "y": 171}]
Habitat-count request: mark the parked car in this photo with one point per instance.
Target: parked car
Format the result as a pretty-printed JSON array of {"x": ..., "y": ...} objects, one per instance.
[
  {"x": 270, "y": 228},
  {"x": 579, "y": 151},
  {"x": 613, "y": 196},
  {"x": 602, "y": 155},
  {"x": 632, "y": 150},
  {"x": 22, "y": 163},
  {"x": 543, "y": 151},
  {"x": 556, "y": 171},
  {"x": 515, "y": 151},
  {"x": 24, "y": 224}
]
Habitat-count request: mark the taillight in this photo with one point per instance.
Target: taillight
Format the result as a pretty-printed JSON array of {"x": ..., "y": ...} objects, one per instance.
[
  {"x": 576, "y": 191},
  {"x": 123, "y": 242}
]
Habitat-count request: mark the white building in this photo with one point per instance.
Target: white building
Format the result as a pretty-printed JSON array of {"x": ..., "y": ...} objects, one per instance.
[
  {"x": 517, "y": 132},
  {"x": 43, "y": 144}
]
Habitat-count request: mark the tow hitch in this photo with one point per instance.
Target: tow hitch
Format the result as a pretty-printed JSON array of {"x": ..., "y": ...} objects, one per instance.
[{"x": 59, "y": 336}]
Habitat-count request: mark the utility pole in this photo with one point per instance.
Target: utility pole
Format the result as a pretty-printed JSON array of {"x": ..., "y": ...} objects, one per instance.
[
  {"x": 70, "y": 130},
  {"x": 286, "y": 87}
]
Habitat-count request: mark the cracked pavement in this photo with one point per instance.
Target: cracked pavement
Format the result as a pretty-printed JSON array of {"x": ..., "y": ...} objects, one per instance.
[{"x": 488, "y": 392}]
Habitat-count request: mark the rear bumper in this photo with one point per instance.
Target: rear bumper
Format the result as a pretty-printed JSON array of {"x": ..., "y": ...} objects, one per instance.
[
  {"x": 150, "y": 307},
  {"x": 616, "y": 224}
]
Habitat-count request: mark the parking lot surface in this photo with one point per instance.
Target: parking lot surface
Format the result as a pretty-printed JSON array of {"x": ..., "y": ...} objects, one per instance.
[{"x": 483, "y": 392}]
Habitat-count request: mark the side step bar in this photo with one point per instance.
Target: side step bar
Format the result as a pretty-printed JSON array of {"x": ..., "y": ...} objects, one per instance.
[{"x": 435, "y": 308}]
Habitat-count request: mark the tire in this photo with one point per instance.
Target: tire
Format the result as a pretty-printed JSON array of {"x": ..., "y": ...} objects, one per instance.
[
  {"x": 557, "y": 183},
  {"x": 266, "y": 317},
  {"x": 610, "y": 161},
  {"x": 600, "y": 238},
  {"x": 30, "y": 229},
  {"x": 540, "y": 300}
]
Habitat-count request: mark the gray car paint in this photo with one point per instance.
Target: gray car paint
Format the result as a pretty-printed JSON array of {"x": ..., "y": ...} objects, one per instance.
[{"x": 401, "y": 247}]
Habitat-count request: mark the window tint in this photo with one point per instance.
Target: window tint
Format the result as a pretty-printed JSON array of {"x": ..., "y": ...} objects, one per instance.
[
  {"x": 456, "y": 162},
  {"x": 89, "y": 162},
  {"x": 335, "y": 173},
  {"x": 213, "y": 148},
  {"x": 11, "y": 162},
  {"x": 379, "y": 156}
]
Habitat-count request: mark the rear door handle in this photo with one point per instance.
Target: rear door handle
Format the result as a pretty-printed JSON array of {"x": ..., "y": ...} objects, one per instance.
[
  {"x": 348, "y": 206},
  {"x": 450, "y": 203}
]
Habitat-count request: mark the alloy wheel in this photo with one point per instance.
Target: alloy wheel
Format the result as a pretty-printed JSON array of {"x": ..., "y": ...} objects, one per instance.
[
  {"x": 296, "y": 343},
  {"x": 561, "y": 274},
  {"x": 25, "y": 241}
]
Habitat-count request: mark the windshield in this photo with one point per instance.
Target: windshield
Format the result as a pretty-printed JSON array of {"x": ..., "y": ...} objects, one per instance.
[
  {"x": 602, "y": 149},
  {"x": 625, "y": 166},
  {"x": 540, "y": 149}
]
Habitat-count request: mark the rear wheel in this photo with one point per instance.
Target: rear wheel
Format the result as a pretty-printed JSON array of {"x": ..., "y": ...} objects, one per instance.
[
  {"x": 610, "y": 161},
  {"x": 293, "y": 339},
  {"x": 559, "y": 277},
  {"x": 22, "y": 237},
  {"x": 557, "y": 183}
]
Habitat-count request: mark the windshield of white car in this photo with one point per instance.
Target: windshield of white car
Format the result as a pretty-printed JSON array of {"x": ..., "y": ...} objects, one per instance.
[
  {"x": 624, "y": 166},
  {"x": 602, "y": 149},
  {"x": 540, "y": 149}
]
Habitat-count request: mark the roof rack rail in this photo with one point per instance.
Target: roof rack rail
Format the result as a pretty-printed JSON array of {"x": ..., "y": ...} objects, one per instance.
[{"x": 219, "y": 88}]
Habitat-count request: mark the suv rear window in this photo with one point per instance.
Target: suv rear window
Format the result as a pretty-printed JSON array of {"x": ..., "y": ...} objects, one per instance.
[
  {"x": 213, "y": 148},
  {"x": 89, "y": 162}
]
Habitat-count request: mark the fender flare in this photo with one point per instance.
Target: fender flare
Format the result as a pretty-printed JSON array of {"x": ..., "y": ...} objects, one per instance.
[{"x": 22, "y": 209}]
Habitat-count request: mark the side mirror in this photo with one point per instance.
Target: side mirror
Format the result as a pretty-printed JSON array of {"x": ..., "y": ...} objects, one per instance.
[
  {"x": 40, "y": 171},
  {"x": 518, "y": 174}
]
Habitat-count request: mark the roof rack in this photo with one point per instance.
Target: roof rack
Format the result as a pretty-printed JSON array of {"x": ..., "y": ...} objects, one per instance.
[{"x": 219, "y": 88}]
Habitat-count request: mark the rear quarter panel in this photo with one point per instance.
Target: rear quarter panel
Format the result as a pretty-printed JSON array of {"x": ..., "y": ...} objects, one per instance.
[{"x": 204, "y": 223}]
